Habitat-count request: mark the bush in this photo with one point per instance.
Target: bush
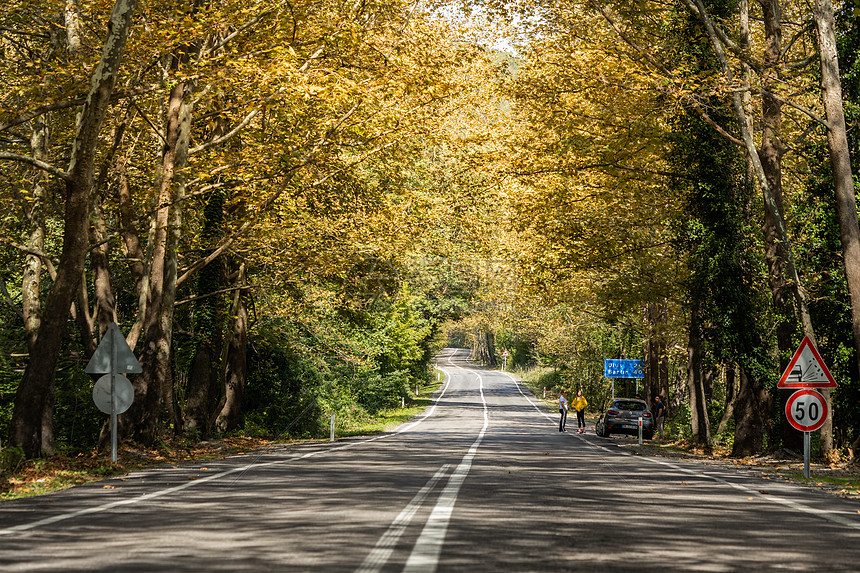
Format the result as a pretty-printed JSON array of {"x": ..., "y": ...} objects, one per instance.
[
  {"x": 677, "y": 424},
  {"x": 380, "y": 391},
  {"x": 280, "y": 396},
  {"x": 11, "y": 459}
]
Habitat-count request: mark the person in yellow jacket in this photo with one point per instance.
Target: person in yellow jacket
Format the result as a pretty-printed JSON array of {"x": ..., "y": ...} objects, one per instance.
[{"x": 579, "y": 403}]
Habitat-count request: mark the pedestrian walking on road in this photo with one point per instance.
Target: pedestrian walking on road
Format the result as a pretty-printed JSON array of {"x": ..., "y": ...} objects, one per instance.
[
  {"x": 659, "y": 415},
  {"x": 562, "y": 409},
  {"x": 579, "y": 403}
]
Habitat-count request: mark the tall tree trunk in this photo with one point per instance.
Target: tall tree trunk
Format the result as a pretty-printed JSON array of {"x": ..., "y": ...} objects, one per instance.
[
  {"x": 771, "y": 154},
  {"x": 72, "y": 24},
  {"x": 37, "y": 383},
  {"x": 771, "y": 206},
  {"x": 168, "y": 298},
  {"x": 131, "y": 239},
  {"x": 766, "y": 164},
  {"x": 149, "y": 396},
  {"x": 749, "y": 423},
  {"x": 485, "y": 347},
  {"x": 31, "y": 303},
  {"x": 204, "y": 382},
  {"x": 843, "y": 182},
  {"x": 731, "y": 395},
  {"x": 656, "y": 380},
  {"x": 235, "y": 363},
  {"x": 200, "y": 383},
  {"x": 84, "y": 320},
  {"x": 652, "y": 356},
  {"x": 105, "y": 303},
  {"x": 699, "y": 421},
  {"x": 32, "y": 276}
]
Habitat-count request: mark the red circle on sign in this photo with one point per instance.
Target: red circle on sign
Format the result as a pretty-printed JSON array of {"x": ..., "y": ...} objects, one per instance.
[{"x": 806, "y": 410}]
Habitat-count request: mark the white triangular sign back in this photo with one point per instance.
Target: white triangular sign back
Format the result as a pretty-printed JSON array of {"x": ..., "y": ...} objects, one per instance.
[{"x": 126, "y": 362}]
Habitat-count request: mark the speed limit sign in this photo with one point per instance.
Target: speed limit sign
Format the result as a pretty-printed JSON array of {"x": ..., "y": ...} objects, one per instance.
[{"x": 806, "y": 410}]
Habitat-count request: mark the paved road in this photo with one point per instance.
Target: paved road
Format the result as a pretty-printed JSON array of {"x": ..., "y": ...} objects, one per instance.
[{"x": 483, "y": 482}]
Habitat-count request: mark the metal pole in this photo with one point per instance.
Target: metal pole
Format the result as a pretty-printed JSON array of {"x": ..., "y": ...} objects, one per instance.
[
  {"x": 640, "y": 430},
  {"x": 806, "y": 453},
  {"x": 112, "y": 396},
  {"x": 613, "y": 388},
  {"x": 331, "y": 439}
]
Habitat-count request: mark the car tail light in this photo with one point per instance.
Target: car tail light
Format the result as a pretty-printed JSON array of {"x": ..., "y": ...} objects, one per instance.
[
  {"x": 646, "y": 415},
  {"x": 613, "y": 412}
]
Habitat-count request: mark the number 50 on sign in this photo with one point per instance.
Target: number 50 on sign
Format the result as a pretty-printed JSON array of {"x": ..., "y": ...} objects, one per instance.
[{"x": 806, "y": 410}]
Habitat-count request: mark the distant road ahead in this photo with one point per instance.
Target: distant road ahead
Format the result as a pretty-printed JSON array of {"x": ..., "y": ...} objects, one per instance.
[{"x": 482, "y": 482}]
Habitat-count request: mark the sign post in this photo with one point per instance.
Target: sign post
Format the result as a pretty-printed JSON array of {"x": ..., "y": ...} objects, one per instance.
[
  {"x": 113, "y": 393},
  {"x": 806, "y": 409},
  {"x": 505, "y": 356}
]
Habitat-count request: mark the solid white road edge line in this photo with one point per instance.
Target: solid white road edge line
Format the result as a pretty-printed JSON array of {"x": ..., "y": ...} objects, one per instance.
[
  {"x": 797, "y": 506},
  {"x": 536, "y": 407},
  {"x": 432, "y": 409}
]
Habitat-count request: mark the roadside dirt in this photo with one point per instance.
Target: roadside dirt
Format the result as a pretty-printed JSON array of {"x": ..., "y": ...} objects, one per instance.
[
  {"x": 37, "y": 477},
  {"x": 839, "y": 477}
]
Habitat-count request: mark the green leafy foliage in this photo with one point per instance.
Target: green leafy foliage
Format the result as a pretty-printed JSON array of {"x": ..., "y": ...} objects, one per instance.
[{"x": 281, "y": 393}]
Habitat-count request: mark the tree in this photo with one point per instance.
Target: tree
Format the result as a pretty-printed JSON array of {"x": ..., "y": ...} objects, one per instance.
[
  {"x": 37, "y": 383},
  {"x": 715, "y": 235},
  {"x": 309, "y": 171},
  {"x": 640, "y": 35}
]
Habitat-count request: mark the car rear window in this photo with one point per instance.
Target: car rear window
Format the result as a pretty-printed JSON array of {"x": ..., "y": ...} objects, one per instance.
[{"x": 631, "y": 406}]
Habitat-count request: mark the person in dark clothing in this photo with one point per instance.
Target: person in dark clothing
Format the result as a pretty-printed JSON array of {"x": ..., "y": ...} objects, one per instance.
[
  {"x": 659, "y": 415},
  {"x": 562, "y": 409}
]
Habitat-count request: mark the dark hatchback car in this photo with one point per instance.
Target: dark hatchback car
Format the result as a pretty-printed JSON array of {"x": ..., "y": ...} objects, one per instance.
[{"x": 622, "y": 417}]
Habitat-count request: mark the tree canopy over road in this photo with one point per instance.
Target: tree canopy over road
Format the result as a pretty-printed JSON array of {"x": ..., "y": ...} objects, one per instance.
[{"x": 289, "y": 207}]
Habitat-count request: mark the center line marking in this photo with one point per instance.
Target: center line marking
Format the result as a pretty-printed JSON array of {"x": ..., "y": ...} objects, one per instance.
[
  {"x": 425, "y": 554},
  {"x": 380, "y": 554}
]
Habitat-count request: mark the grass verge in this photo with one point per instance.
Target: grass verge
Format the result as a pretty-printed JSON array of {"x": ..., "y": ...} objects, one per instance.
[{"x": 27, "y": 478}]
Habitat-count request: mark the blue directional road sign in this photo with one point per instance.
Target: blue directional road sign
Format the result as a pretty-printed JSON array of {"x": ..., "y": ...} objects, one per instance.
[{"x": 617, "y": 368}]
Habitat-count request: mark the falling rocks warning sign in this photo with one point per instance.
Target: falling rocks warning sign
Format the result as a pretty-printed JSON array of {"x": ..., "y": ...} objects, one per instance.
[{"x": 806, "y": 369}]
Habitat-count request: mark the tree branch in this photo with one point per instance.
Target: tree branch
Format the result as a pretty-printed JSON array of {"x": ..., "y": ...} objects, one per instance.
[
  {"x": 9, "y": 300},
  {"x": 727, "y": 42},
  {"x": 46, "y": 167},
  {"x": 41, "y": 110},
  {"x": 252, "y": 114},
  {"x": 213, "y": 293},
  {"x": 704, "y": 115},
  {"x": 46, "y": 259},
  {"x": 229, "y": 135},
  {"x": 790, "y": 103}
]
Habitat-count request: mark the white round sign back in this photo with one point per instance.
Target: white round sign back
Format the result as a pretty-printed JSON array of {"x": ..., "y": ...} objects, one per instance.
[{"x": 124, "y": 393}]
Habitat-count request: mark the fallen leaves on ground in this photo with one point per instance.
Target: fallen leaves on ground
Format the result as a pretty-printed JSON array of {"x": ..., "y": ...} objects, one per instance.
[{"x": 60, "y": 472}]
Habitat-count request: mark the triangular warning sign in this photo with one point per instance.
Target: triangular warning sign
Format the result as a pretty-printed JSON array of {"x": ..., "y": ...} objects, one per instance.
[
  {"x": 806, "y": 369},
  {"x": 113, "y": 344}
]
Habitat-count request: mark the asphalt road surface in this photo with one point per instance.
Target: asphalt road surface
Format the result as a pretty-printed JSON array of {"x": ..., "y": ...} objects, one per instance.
[{"x": 482, "y": 482}]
